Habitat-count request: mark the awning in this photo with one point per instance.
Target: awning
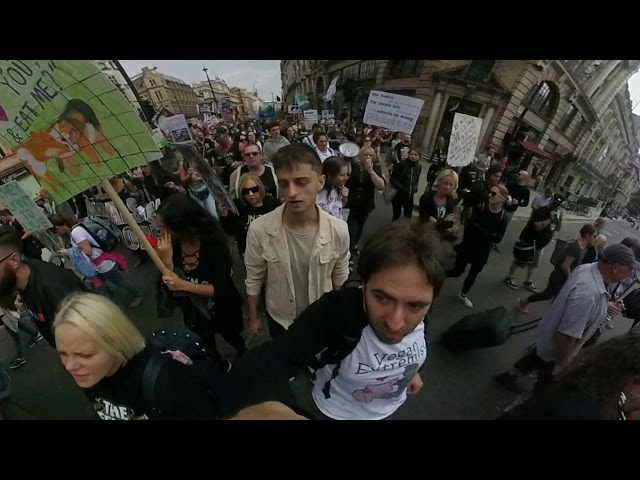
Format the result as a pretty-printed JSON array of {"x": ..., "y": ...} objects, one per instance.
[{"x": 534, "y": 149}]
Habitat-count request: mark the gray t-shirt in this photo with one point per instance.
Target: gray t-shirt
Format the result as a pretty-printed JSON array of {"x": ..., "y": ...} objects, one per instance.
[
  {"x": 576, "y": 311},
  {"x": 300, "y": 247}
]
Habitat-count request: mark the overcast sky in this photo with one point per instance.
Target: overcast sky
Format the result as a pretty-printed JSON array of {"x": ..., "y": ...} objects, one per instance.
[
  {"x": 237, "y": 73},
  {"x": 634, "y": 90}
]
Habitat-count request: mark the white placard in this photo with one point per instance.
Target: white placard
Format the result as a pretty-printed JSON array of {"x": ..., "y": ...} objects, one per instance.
[
  {"x": 178, "y": 128},
  {"x": 398, "y": 113},
  {"x": 310, "y": 117},
  {"x": 465, "y": 133}
]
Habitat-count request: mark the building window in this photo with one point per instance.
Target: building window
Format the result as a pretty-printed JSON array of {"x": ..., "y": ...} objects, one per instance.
[
  {"x": 543, "y": 99},
  {"x": 576, "y": 127},
  {"x": 103, "y": 66},
  {"x": 568, "y": 117},
  {"x": 152, "y": 82},
  {"x": 479, "y": 70},
  {"x": 405, "y": 68},
  {"x": 368, "y": 70},
  {"x": 568, "y": 181},
  {"x": 159, "y": 95}
]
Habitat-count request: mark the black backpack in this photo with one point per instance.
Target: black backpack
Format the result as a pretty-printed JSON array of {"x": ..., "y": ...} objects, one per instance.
[
  {"x": 186, "y": 347},
  {"x": 102, "y": 231}
]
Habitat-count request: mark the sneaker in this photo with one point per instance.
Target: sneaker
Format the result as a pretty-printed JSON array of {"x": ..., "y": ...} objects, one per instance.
[
  {"x": 17, "y": 363},
  {"x": 36, "y": 340},
  {"x": 609, "y": 325},
  {"x": 530, "y": 286},
  {"x": 465, "y": 301},
  {"x": 136, "y": 301},
  {"x": 511, "y": 283},
  {"x": 522, "y": 309},
  {"x": 508, "y": 381}
]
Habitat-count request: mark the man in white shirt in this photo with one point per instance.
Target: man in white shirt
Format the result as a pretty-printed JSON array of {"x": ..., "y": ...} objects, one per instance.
[
  {"x": 574, "y": 317},
  {"x": 298, "y": 251}
]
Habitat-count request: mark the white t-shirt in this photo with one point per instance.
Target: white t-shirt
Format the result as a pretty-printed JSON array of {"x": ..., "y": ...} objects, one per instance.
[
  {"x": 330, "y": 202},
  {"x": 372, "y": 380},
  {"x": 308, "y": 140},
  {"x": 324, "y": 155},
  {"x": 78, "y": 234}
]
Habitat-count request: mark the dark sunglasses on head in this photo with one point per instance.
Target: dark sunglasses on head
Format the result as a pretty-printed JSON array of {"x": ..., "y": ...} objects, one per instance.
[
  {"x": 247, "y": 191},
  {"x": 493, "y": 194}
]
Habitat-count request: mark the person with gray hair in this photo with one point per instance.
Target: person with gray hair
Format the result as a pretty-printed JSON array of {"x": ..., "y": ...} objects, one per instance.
[{"x": 573, "y": 317}]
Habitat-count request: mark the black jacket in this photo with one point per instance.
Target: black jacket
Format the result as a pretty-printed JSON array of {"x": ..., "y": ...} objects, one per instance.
[
  {"x": 332, "y": 325},
  {"x": 405, "y": 176},
  {"x": 428, "y": 208}
]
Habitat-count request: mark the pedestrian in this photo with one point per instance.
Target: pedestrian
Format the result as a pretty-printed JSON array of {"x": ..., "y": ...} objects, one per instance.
[
  {"x": 437, "y": 203},
  {"x": 372, "y": 338},
  {"x": 17, "y": 318},
  {"x": 405, "y": 177},
  {"x": 334, "y": 195},
  {"x": 592, "y": 254},
  {"x": 274, "y": 143},
  {"x": 254, "y": 163}
]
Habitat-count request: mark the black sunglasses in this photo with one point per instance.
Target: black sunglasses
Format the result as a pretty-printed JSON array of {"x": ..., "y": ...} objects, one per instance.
[
  {"x": 247, "y": 191},
  {"x": 493, "y": 194}
]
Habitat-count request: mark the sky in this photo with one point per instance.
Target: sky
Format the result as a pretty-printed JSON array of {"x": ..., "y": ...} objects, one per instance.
[
  {"x": 634, "y": 90},
  {"x": 264, "y": 74}
]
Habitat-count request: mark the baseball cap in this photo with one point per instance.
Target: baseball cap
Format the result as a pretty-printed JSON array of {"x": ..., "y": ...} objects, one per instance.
[
  {"x": 558, "y": 199},
  {"x": 620, "y": 254}
]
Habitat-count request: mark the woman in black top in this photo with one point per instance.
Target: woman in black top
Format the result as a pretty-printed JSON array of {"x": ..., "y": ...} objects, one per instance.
[
  {"x": 192, "y": 241},
  {"x": 106, "y": 356},
  {"x": 252, "y": 202},
  {"x": 486, "y": 226},
  {"x": 405, "y": 176},
  {"x": 437, "y": 204},
  {"x": 601, "y": 383},
  {"x": 365, "y": 178}
]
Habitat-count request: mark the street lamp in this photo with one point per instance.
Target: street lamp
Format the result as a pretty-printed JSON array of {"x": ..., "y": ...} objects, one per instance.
[{"x": 206, "y": 70}]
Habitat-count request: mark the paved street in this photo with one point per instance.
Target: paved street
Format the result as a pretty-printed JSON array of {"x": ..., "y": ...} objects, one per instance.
[{"x": 457, "y": 386}]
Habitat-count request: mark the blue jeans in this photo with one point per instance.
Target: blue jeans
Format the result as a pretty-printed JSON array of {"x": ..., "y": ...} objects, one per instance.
[
  {"x": 116, "y": 277},
  {"x": 26, "y": 325}
]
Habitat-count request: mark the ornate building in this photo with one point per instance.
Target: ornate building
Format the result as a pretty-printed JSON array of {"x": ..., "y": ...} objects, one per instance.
[
  {"x": 569, "y": 122},
  {"x": 164, "y": 91}
]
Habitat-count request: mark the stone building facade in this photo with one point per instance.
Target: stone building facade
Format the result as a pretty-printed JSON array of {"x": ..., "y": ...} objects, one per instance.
[
  {"x": 164, "y": 91},
  {"x": 572, "y": 118}
]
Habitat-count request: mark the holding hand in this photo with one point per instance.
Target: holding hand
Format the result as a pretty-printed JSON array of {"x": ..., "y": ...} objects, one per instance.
[
  {"x": 174, "y": 282},
  {"x": 165, "y": 250}
]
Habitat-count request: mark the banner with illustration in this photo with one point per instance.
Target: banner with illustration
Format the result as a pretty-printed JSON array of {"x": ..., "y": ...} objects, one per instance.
[{"x": 69, "y": 125}]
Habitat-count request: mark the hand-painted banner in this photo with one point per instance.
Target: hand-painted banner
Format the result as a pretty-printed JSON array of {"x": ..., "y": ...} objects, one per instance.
[
  {"x": 69, "y": 124},
  {"x": 465, "y": 133},
  {"x": 398, "y": 113},
  {"x": 22, "y": 206}
]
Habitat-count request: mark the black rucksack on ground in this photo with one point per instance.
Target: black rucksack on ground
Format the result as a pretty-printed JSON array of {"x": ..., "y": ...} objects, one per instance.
[
  {"x": 102, "y": 231},
  {"x": 186, "y": 347},
  {"x": 489, "y": 328}
]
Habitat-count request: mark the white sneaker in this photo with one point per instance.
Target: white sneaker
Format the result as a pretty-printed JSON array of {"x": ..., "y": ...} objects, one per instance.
[{"x": 465, "y": 301}]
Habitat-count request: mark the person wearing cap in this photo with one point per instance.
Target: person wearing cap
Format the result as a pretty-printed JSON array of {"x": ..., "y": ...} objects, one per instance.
[
  {"x": 537, "y": 234},
  {"x": 573, "y": 318}
]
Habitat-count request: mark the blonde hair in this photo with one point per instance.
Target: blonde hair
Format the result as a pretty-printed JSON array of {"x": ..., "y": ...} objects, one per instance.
[
  {"x": 104, "y": 322},
  {"x": 370, "y": 149},
  {"x": 448, "y": 172},
  {"x": 244, "y": 179},
  {"x": 504, "y": 193},
  {"x": 600, "y": 239}
]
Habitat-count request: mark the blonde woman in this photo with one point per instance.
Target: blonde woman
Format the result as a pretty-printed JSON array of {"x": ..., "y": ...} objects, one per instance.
[
  {"x": 485, "y": 227},
  {"x": 252, "y": 203},
  {"x": 437, "y": 205},
  {"x": 106, "y": 356}
]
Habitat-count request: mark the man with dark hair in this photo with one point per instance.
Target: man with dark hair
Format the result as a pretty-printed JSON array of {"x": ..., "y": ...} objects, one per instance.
[
  {"x": 43, "y": 286},
  {"x": 31, "y": 245},
  {"x": 297, "y": 247},
  {"x": 226, "y": 157},
  {"x": 308, "y": 140},
  {"x": 371, "y": 341},
  {"x": 592, "y": 255},
  {"x": 274, "y": 143}
]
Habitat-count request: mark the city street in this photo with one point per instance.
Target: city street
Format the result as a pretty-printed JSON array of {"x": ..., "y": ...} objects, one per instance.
[{"x": 457, "y": 386}]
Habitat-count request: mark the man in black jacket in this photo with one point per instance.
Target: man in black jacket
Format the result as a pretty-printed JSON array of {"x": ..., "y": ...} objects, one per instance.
[
  {"x": 42, "y": 285},
  {"x": 372, "y": 339}
]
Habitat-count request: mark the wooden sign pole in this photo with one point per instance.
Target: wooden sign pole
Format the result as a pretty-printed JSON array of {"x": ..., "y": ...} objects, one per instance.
[{"x": 126, "y": 214}]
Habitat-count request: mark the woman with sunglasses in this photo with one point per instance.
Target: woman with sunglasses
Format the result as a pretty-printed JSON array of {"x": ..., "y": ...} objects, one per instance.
[
  {"x": 485, "y": 227},
  {"x": 252, "y": 202}
]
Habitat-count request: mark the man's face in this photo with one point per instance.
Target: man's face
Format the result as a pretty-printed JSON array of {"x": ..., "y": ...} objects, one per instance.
[
  {"x": 396, "y": 301},
  {"x": 600, "y": 225},
  {"x": 251, "y": 156},
  {"x": 620, "y": 273},
  {"x": 406, "y": 139},
  {"x": 8, "y": 279},
  {"x": 299, "y": 187},
  {"x": 491, "y": 152},
  {"x": 495, "y": 178},
  {"x": 274, "y": 132}
]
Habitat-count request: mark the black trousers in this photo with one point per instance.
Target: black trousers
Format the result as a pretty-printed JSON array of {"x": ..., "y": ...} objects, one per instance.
[
  {"x": 531, "y": 362},
  {"x": 556, "y": 281},
  {"x": 275, "y": 329},
  {"x": 402, "y": 201},
  {"x": 464, "y": 257},
  {"x": 355, "y": 222}
]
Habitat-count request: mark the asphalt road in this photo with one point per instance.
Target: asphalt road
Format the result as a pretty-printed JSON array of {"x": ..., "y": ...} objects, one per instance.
[{"x": 457, "y": 386}]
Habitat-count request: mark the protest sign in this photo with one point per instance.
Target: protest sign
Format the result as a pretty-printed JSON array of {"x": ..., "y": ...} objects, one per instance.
[
  {"x": 22, "y": 206},
  {"x": 310, "y": 117},
  {"x": 465, "y": 133},
  {"x": 398, "y": 113},
  {"x": 178, "y": 128}
]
